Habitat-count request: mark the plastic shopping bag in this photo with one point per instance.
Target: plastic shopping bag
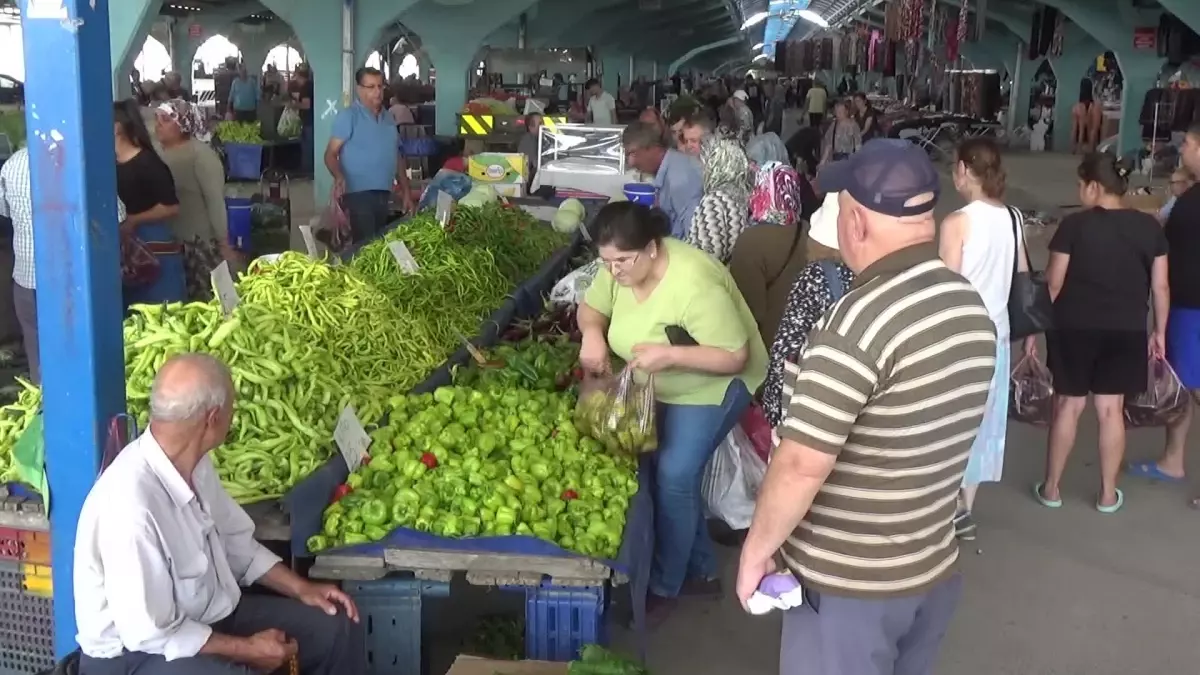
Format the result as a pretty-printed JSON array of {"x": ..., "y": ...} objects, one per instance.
[
  {"x": 335, "y": 222},
  {"x": 618, "y": 412},
  {"x": 732, "y": 479},
  {"x": 569, "y": 290},
  {"x": 1031, "y": 396},
  {"x": 289, "y": 125},
  {"x": 1165, "y": 398}
]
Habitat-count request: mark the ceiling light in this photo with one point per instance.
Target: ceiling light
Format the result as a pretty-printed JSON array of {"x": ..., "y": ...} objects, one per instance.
[
  {"x": 755, "y": 20},
  {"x": 812, "y": 17},
  {"x": 757, "y": 46}
]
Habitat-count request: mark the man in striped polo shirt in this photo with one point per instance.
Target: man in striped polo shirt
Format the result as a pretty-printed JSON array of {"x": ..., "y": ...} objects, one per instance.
[{"x": 861, "y": 493}]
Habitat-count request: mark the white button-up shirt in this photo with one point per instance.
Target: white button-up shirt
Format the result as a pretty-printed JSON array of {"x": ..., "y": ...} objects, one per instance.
[{"x": 156, "y": 562}]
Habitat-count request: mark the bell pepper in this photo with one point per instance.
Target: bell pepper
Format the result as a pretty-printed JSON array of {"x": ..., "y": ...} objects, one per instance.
[
  {"x": 332, "y": 525},
  {"x": 375, "y": 533},
  {"x": 341, "y": 491},
  {"x": 317, "y": 543},
  {"x": 352, "y": 525},
  {"x": 352, "y": 538},
  {"x": 569, "y": 495},
  {"x": 429, "y": 460},
  {"x": 354, "y": 480},
  {"x": 374, "y": 512},
  {"x": 382, "y": 465}
]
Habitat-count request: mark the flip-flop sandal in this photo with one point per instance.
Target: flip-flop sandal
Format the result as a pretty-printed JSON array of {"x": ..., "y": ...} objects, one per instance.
[
  {"x": 1150, "y": 471},
  {"x": 1114, "y": 507},
  {"x": 1048, "y": 503}
]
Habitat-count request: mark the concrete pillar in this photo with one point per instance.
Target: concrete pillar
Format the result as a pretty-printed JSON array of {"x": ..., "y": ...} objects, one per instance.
[{"x": 129, "y": 23}]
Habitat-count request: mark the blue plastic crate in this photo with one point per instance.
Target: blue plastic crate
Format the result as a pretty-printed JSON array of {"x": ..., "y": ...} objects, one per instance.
[
  {"x": 560, "y": 620},
  {"x": 240, "y": 217},
  {"x": 244, "y": 160},
  {"x": 391, "y": 618}
]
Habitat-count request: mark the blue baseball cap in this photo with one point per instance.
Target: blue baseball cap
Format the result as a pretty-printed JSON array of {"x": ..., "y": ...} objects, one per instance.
[{"x": 883, "y": 175}]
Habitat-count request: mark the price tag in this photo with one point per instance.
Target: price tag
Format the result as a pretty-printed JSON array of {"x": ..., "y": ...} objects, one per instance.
[
  {"x": 310, "y": 242},
  {"x": 472, "y": 350},
  {"x": 406, "y": 261},
  {"x": 352, "y": 440},
  {"x": 223, "y": 282},
  {"x": 445, "y": 208}
]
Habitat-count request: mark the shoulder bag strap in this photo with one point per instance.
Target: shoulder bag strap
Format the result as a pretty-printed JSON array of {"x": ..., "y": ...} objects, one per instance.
[
  {"x": 787, "y": 260},
  {"x": 1018, "y": 239},
  {"x": 837, "y": 288}
]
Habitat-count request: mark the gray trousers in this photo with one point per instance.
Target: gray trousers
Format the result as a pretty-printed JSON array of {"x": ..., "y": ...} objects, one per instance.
[
  {"x": 25, "y": 306},
  {"x": 329, "y": 645},
  {"x": 832, "y": 635}
]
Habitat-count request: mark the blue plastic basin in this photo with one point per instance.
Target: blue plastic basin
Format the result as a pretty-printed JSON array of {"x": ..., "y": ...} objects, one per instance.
[{"x": 640, "y": 193}]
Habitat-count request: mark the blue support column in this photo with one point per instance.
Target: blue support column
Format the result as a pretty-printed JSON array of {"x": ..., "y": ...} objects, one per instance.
[{"x": 75, "y": 233}]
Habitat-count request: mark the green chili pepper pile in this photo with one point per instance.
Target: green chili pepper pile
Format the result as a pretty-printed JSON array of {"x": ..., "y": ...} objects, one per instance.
[
  {"x": 466, "y": 462},
  {"x": 14, "y": 419},
  {"x": 596, "y": 660},
  {"x": 531, "y": 364},
  {"x": 287, "y": 386},
  {"x": 518, "y": 243}
]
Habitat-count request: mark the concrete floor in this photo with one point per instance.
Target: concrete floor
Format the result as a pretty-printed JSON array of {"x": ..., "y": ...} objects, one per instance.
[{"x": 1065, "y": 592}]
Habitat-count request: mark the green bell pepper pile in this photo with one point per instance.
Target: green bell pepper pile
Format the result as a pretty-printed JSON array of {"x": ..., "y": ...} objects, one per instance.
[
  {"x": 309, "y": 338},
  {"x": 464, "y": 462},
  {"x": 596, "y": 660}
]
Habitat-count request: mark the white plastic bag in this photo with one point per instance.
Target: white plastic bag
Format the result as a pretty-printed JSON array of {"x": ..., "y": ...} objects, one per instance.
[
  {"x": 570, "y": 289},
  {"x": 289, "y": 125},
  {"x": 732, "y": 479}
]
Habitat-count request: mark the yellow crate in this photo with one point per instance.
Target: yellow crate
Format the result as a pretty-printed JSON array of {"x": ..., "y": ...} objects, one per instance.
[{"x": 37, "y": 580}]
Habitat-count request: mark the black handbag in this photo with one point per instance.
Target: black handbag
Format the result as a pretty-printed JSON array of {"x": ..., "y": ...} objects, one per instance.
[{"x": 1030, "y": 309}]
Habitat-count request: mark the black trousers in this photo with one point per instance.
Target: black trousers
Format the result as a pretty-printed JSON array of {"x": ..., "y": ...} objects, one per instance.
[
  {"x": 329, "y": 645},
  {"x": 368, "y": 212}
]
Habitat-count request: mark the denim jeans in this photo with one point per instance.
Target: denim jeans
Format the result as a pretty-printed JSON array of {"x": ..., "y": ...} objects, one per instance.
[
  {"x": 688, "y": 435},
  {"x": 368, "y": 212}
]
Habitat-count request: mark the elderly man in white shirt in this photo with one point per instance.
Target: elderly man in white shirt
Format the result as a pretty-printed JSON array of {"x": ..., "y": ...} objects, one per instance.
[{"x": 162, "y": 551}]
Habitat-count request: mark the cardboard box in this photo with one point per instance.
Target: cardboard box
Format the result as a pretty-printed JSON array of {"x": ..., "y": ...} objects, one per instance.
[
  {"x": 498, "y": 168},
  {"x": 1146, "y": 203},
  {"x": 474, "y": 665}
]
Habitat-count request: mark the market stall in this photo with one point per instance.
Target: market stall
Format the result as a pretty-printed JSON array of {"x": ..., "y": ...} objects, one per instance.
[{"x": 379, "y": 335}]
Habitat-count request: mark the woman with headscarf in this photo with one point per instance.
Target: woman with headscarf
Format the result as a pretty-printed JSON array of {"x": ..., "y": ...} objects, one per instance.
[
  {"x": 822, "y": 282},
  {"x": 769, "y": 254},
  {"x": 721, "y": 214},
  {"x": 202, "y": 223}
]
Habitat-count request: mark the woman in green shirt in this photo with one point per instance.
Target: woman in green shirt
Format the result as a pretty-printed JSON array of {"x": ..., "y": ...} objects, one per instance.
[{"x": 652, "y": 285}]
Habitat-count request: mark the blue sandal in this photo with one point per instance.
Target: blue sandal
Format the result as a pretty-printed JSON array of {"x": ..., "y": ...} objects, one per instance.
[
  {"x": 1048, "y": 503},
  {"x": 1150, "y": 471},
  {"x": 1114, "y": 507}
]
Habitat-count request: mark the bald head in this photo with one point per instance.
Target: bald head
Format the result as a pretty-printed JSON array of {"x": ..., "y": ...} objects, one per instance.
[{"x": 188, "y": 387}]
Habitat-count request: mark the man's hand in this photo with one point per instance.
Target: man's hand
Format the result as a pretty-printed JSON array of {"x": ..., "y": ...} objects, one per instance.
[
  {"x": 750, "y": 575},
  {"x": 268, "y": 650},
  {"x": 327, "y": 597},
  {"x": 409, "y": 206}
]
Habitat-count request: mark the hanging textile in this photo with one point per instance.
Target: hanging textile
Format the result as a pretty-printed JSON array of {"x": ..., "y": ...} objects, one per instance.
[
  {"x": 980, "y": 20},
  {"x": 889, "y": 57},
  {"x": 864, "y": 49},
  {"x": 891, "y": 20},
  {"x": 911, "y": 19},
  {"x": 952, "y": 33},
  {"x": 961, "y": 28},
  {"x": 843, "y": 53},
  {"x": 1060, "y": 29},
  {"x": 937, "y": 19},
  {"x": 808, "y": 62},
  {"x": 873, "y": 60},
  {"x": 826, "y": 54}
]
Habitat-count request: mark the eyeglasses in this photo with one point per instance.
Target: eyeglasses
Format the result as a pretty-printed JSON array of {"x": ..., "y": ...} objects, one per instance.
[{"x": 621, "y": 263}]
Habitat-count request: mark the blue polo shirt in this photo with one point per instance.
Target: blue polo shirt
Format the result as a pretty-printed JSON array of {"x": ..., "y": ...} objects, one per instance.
[
  {"x": 680, "y": 187},
  {"x": 370, "y": 147}
]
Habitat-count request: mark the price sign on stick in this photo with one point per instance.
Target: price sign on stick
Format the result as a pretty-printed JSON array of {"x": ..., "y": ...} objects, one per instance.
[
  {"x": 445, "y": 208},
  {"x": 352, "y": 440},
  {"x": 223, "y": 283},
  {"x": 404, "y": 258},
  {"x": 472, "y": 350},
  {"x": 310, "y": 242}
]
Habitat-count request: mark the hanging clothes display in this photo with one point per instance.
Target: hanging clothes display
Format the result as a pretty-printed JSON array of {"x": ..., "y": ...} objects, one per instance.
[
  {"x": 1041, "y": 38},
  {"x": 825, "y": 54},
  {"x": 843, "y": 53},
  {"x": 960, "y": 33},
  {"x": 951, "y": 33},
  {"x": 889, "y": 57},
  {"x": 937, "y": 27},
  {"x": 864, "y": 49},
  {"x": 980, "y": 20},
  {"x": 891, "y": 20},
  {"x": 1060, "y": 29},
  {"x": 808, "y": 60}
]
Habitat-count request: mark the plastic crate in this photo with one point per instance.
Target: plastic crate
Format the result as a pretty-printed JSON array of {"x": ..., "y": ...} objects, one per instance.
[
  {"x": 560, "y": 620},
  {"x": 26, "y": 619},
  {"x": 240, "y": 217},
  {"x": 244, "y": 161},
  {"x": 391, "y": 617}
]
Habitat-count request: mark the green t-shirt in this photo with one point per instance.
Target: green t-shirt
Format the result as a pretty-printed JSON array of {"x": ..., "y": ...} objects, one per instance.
[{"x": 697, "y": 293}]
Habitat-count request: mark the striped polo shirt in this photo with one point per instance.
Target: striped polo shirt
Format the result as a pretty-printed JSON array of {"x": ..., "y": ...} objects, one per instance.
[{"x": 894, "y": 381}]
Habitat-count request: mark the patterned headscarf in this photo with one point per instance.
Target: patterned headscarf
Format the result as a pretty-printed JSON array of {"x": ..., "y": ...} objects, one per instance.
[
  {"x": 721, "y": 215},
  {"x": 187, "y": 116},
  {"x": 776, "y": 195}
]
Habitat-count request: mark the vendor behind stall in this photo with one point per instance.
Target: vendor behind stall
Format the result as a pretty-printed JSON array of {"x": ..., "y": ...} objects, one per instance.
[{"x": 162, "y": 551}]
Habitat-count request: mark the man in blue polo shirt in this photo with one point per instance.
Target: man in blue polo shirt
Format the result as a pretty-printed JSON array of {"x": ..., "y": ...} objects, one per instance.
[{"x": 364, "y": 157}]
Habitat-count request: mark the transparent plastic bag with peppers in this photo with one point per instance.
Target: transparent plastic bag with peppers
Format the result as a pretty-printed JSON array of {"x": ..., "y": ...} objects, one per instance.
[{"x": 619, "y": 412}]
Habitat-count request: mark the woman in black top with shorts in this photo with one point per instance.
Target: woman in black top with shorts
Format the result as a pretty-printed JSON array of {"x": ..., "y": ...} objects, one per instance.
[{"x": 1106, "y": 263}]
